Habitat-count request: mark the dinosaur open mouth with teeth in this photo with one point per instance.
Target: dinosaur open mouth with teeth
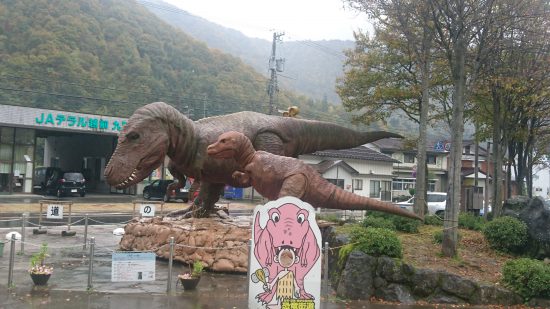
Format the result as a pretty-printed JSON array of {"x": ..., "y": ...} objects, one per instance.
[{"x": 128, "y": 181}]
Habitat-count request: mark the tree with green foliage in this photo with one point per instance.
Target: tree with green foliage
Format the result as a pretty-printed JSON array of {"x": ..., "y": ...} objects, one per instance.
[
  {"x": 392, "y": 72},
  {"x": 512, "y": 93}
]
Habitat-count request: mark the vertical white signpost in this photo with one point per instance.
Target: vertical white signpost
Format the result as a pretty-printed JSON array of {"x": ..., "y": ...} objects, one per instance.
[{"x": 285, "y": 265}]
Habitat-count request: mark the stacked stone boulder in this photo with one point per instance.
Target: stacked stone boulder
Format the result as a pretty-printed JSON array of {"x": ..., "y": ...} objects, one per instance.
[
  {"x": 536, "y": 215},
  {"x": 221, "y": 244},
  {"x": 365, "y": 276}
]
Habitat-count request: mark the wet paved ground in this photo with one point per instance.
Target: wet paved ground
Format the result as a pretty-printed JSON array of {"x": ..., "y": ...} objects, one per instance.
[{"x": 67, "y": 288}]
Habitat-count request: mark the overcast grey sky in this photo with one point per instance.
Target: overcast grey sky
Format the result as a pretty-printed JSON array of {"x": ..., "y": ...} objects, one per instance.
[{"x": 299, "y": 19}]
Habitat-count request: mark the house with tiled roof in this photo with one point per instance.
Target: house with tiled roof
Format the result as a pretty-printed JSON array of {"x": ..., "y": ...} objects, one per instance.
[
  {"x": 360, "y": 170},
  {"x": 404, "y": 169}
]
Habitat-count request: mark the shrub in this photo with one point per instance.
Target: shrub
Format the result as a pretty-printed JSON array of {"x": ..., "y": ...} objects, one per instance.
[
  {"x": 433, "y": 220},
  {"x": 470, "y": 221},
  {"x": 379, "y": 222},
  {"x": 377, "y": 242},
  {"x": 343, "y": 254},
  {"x": 328, "y": 217},
  {"x": 438, "y": 237},
  {"x": 506, "y": 234},
  {"x": 406, "y": 225},
  {"x": 401, "y": 223},
  {"x": 529, "y": 278}
]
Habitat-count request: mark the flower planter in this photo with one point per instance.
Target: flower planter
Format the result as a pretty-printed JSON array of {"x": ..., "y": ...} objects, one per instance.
[
  {"x": 40, "y": 279},
  {"x": 190, "y": 284}
]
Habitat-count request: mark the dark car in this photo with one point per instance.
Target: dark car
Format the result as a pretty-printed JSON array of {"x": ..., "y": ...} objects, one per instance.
[
  {"x": 166, "y": 190},
  {"x": 66, "y": 183},
  {"x": 41, "y": 177}
]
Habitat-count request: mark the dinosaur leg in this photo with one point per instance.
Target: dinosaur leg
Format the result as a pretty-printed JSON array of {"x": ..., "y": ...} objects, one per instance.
[
  {"x": 294, "y": 185},
  {"x": 269, "y": 142},
  {"x": 209, "y": 194}
]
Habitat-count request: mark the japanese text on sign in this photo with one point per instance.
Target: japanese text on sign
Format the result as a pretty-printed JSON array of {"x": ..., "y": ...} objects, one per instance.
[
  {"x": 54, "y": 212},
  {"x": 147, "y": 210},
  {"x": 133, "y": 266},
  {"x": 63, "y": 120}
]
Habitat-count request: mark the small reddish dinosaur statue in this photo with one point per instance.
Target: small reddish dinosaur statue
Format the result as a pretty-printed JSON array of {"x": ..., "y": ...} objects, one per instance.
[
  {"x": 157, "y": 130},
  {"x": 276, "y": 176}
]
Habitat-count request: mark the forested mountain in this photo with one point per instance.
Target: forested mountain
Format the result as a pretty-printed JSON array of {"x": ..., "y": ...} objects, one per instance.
[
  {"x": 112, "y": 56},
  {"x": 311, "y": 66}
]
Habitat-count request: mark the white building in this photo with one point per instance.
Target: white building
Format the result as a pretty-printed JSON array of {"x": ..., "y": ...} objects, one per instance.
[{"x": 360, "y": 170}]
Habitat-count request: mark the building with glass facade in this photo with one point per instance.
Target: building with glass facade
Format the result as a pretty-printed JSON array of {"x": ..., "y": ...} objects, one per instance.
[{"x": 32, "y": 137}]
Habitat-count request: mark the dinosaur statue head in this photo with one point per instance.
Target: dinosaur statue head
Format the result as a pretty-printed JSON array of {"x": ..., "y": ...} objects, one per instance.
[
  {"x": 229, "y": 145},
  {"x": 142, "y": 145}
]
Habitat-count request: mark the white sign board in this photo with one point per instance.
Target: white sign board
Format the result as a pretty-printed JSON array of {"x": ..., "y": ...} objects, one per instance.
[
  {"x": 147, "y": 210},
  {"x": 286, "y": 262},
  {"x": 133, "y": 266},
  {"x": 54, "y": 212}
]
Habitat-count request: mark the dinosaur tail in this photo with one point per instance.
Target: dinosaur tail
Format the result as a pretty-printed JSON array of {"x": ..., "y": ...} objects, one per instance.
[
  {"x": 341, "y": 199},
  {"x": 310, "y": 136}
]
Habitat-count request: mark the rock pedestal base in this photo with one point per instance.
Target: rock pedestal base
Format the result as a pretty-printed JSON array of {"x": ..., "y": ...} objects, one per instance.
[{"x": 220, "y": 244}]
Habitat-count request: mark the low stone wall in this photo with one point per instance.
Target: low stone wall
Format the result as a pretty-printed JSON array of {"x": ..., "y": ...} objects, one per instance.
[
  {"x": 365, "y": 276},
  {"x": 221, "y": 244}
]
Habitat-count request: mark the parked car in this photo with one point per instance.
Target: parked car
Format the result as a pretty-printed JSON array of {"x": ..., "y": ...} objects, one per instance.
[
  {"x": 436, "y": 203},
  {"x": 66, "y": 183},
  {"x": 41, "y": 177},
  {"x": 159, "y": 189}
]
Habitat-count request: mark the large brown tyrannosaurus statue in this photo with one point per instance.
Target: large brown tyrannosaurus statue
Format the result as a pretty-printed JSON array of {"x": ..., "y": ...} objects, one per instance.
[
  {"x": 157, "y": 130},
  {"x": 275, "y": 176}
]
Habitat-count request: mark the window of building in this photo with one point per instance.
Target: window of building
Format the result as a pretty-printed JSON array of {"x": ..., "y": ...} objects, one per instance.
[
  {"x": 409, "y": 158},
  {"x": 374, "y": 188},
  {"x": 337, "y": 182},
  {"x": 385, "y": 190},
  {"x": 404, "y": 184},
  {"x": 431, "y": 159},
  {"x": 431, "y": 185},
  {"x": 16, "y": 156},
  {"x": 358, "y": 184}
]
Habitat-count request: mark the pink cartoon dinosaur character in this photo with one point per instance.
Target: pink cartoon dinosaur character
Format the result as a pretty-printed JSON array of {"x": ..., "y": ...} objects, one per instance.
[{"x": 287, "y": 229}]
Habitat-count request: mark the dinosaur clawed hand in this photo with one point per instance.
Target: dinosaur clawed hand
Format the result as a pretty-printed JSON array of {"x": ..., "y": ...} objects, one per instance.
[{"x": 264, "y": 297}]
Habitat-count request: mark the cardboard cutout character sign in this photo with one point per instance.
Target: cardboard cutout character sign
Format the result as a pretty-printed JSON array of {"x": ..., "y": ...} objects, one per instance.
[{"x": 286, "y": 264}]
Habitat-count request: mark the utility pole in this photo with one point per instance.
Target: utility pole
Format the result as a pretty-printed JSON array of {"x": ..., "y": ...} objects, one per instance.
[
  {"x": 204, "y": 102},
  {"x": 275, "y": 65}
]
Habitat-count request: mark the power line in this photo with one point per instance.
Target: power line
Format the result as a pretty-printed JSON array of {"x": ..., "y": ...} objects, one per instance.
[{"x": 176, "y": 96}]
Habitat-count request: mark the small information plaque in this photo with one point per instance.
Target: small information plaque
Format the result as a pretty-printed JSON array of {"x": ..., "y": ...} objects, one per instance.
[{"x": 133, "y": 266}]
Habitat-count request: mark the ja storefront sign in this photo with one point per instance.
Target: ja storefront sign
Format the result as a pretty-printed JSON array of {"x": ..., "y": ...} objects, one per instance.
[
  {"x": 133, "y": 266},
  {"x": 285, "y": 269},
  {"x": 79, "y": 121}
]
